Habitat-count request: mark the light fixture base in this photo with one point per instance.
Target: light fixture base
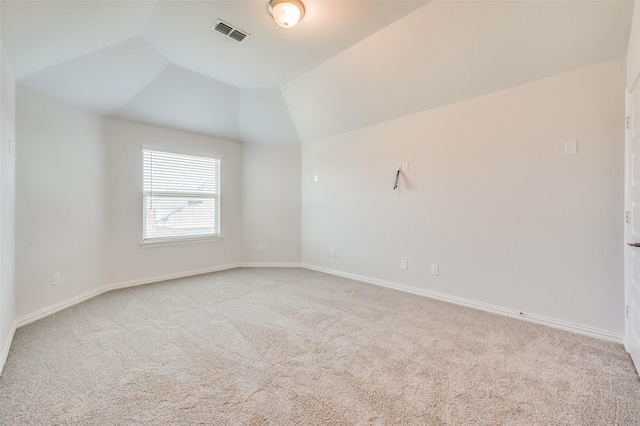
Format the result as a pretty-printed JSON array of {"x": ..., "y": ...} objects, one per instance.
[{"x": 286, "y": 13}]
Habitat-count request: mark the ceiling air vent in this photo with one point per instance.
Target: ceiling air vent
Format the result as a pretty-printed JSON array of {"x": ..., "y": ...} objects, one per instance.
[{"x": 230, "y": 31}]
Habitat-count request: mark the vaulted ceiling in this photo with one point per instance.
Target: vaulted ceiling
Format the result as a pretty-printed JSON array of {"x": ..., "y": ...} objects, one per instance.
[{"x": 347, "y": 64}]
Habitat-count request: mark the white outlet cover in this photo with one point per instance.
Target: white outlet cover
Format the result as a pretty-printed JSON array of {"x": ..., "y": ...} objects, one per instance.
[
  {"x": 315, "y": 178},
  {"x": 571, "y": 147},
  {"x": 435, "y": 270},
  {"x": 404, "y": 265}
]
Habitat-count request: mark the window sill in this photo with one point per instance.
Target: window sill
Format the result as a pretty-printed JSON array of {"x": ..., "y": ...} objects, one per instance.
[{"x": 180, "y": 241}]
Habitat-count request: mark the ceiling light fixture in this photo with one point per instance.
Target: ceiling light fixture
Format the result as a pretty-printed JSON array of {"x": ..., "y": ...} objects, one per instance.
[{"x": 286, "y": 13}]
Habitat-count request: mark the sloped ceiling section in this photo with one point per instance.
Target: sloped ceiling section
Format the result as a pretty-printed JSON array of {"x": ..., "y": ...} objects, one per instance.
[
  {"x": 272, "y": 56},
  {"x": 348, "y": 64},
  {"x": 448, "y": 51},
  {"x": 159, "y": 62},
  {"x": 104, "y": 80},
  {"x": 185, "y": 100},
  {"x": 40, "y": 34},
  {"x": 265, "y": 118}
]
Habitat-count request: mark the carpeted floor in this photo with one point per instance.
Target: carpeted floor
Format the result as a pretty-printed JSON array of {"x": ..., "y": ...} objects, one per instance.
[{"x": 297, "y": 347}]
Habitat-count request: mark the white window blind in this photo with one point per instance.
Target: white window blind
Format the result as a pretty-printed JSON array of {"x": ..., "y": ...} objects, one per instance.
[{"x": 181, "y": 196}]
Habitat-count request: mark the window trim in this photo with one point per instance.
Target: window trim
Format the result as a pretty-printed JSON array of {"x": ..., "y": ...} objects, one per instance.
[
  {"x": 173, "y": 241},
  {"x": 187, "y": 239}
]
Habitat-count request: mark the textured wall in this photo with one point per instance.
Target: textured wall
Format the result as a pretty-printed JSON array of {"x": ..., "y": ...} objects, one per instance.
[
  {"x": 127, "y": 259},
  {"x": 7, "y": 204},
  {"x": 271, "y": 203},
  {"x": 633, "y": 54},
  {"x": 80, "y": 203},
  {"x": 61, "y": 203},
  {"x": 490, "y": 197}
]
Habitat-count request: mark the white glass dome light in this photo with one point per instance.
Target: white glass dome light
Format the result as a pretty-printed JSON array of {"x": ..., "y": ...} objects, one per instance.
[{"x": 286, "y": 13}]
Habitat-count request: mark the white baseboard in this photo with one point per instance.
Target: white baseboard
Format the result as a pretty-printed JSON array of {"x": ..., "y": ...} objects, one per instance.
[
  {"x": 166, "y": 277},
  {"x": 270, "y": 265},
  {"x": 513, "y": 313},
  {"x": 6, "y": 346},
  {"x": 24, "y": 320},
  {"x": 538, "y": 319},
  {"x": 49, "y": 310}
]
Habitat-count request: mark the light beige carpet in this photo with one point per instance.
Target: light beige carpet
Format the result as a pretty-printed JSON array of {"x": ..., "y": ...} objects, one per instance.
[{"x": 297, "y": 347}]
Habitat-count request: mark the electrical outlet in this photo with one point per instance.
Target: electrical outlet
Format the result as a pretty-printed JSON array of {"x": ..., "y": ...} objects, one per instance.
[
  {"x": 260, "y": 248},
  {"x": 55, "y": 278},
  {"x": 435, "y": 270},
  {"x": 315, "y": 178},
  {"x": 405, "y": 167},
  {"x": 333, "y": 253},
  {"x": 404, "y": 265}
]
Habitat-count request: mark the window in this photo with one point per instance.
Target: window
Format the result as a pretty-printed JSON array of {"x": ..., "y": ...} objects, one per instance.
[{"x": 181, "y": 196}]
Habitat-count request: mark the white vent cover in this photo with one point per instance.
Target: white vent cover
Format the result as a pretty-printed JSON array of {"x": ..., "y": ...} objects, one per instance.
[{"x": 230, "y": 31}]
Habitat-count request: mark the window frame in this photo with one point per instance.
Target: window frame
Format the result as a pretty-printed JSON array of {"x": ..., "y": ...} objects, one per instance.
[{"x": 181, "y": 239}]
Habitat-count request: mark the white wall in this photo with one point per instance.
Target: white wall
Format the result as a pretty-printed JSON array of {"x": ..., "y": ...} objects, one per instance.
[
  {"x": 61, "y": 203},
  {"x": 7, "y": 207},
  {"x": 490, "y": 197},
  {"x": 79, "y": 203},
  {"x": 633, "y": 54},
  {"x": 126, "y": 258},
  {"x": 271, "y": 198}
]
